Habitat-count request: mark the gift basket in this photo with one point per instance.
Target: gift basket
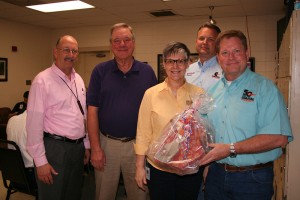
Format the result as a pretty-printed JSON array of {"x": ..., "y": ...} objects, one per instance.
[{"x": 184, "y": 140}]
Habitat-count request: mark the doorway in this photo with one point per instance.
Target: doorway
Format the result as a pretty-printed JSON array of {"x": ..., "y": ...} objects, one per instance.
[{"x": 87, "y": 62}]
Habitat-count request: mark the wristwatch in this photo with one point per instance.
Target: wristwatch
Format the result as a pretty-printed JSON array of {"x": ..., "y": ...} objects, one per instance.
[{"x": 232, "y": 151}]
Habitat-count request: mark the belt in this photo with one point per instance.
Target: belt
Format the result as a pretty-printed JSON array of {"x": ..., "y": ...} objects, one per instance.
[
  {"x": 232, "y": 168},
  {"x": 123, "y": 139},
  {"x": 61, "y": 138}
]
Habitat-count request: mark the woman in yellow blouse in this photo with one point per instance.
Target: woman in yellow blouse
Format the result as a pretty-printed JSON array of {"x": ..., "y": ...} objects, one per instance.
[{"x": 159, "y": 105}]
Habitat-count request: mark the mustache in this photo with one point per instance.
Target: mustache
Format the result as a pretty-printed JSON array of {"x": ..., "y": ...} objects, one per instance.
[{"x": 69, "y": 59}]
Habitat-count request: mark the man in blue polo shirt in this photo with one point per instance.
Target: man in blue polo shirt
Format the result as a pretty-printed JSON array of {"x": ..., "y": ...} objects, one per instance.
[
  {"x": 114, "y": 95},
  {"x": 251, "y": 124}
]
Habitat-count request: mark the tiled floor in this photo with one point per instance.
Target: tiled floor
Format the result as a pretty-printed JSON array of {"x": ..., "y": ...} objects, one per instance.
[{"x": 87, "y": 190}]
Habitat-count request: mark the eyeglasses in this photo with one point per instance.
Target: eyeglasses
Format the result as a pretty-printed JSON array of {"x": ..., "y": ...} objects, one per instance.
[
  {"x": 235, "y": 52},
  {"x": 118, "y": 41},
  {"x": 179, "y": 62},
  {"x": 68, "y": 51}
]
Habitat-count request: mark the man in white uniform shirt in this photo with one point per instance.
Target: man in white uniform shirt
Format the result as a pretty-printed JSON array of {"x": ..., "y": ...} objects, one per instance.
[
  {"x": 16, "y": 131},
  {"x": 206, "y": 71}
]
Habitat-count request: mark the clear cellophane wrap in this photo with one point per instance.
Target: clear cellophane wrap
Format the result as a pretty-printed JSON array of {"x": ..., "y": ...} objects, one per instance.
[{"x": 184, "y": 140}]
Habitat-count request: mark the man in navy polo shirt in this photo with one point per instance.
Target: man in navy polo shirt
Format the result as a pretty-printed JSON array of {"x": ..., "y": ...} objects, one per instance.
[{"x": 114, "y": 95}]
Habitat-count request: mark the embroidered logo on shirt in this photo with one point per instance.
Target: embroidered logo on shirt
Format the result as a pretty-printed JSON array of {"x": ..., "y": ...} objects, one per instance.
[
  {"x": 248, "y": 96},
  {"x": 216, "y": 75}
]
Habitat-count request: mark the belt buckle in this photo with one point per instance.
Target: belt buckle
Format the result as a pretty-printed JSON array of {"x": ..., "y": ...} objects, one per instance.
[
  {"x": 125, "y": 139},
  {"x": 225, "y": 167},
  {"x": 78, "y": 140},
  {"x": 229, "y": 168}
]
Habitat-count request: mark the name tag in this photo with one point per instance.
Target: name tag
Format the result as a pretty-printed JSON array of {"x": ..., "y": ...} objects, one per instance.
[{"x": 148, "y": 173}]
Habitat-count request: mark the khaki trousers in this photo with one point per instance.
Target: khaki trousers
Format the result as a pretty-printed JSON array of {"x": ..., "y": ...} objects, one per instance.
[{"x": 120, "y": 157}]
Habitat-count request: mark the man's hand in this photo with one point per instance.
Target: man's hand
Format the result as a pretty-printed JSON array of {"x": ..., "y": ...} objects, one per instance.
[
  {"x": 87, "y": 156},
  {"x": 45, "y": 172},
  {"x": 218, "y": 152},
  {"x": 98, "y": 159}
]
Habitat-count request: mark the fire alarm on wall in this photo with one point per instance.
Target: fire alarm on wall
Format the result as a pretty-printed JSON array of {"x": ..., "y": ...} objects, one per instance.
[{"x": 14, "y": 48}]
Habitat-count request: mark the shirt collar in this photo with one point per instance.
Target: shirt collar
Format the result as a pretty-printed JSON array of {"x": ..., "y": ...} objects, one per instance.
[
  {"x": 134, "y": 67},
  {"x": 61, "y": 74},
  {"x": 164, "y": 85},
  {"x": 211, "y": 62},
  {"x": 239, "y": 79}
]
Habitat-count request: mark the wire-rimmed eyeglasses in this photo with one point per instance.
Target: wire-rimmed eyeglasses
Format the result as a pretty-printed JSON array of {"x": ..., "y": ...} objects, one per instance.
[{"x": 68, "y": 51}]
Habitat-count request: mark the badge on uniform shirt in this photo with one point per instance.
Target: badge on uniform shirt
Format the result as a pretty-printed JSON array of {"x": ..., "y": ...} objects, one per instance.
[{"x": 188, "y": 102}]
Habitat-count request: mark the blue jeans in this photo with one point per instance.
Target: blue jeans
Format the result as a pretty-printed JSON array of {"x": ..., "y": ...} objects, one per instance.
[
  {"x": 247, "y": 185},
  {"x": 201, "y": 193}
]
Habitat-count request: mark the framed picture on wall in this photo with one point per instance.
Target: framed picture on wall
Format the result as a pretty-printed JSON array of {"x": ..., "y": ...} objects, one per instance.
[
  {"x": 161, "y": 73},
  {"x": 3, "y": 69}
]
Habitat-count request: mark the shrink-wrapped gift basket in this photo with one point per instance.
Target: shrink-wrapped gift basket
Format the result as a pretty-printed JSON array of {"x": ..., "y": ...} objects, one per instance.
[{"x": 184, "y": 140}]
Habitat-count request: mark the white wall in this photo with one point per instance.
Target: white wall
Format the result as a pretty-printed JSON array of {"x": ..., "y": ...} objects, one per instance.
[
  {"x": 152, "y": 37},
  {"x": 32, "y": 56},
  {"x": 35, "y": 54},
  {"x": 35, "y": 45}
]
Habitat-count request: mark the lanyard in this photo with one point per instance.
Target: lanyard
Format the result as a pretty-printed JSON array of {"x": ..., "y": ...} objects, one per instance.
[{"x": 76, "y": 96}]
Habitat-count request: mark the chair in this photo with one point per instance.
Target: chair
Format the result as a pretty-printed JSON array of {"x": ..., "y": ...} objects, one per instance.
[
  {"x": 13, "y": 170},
  {"x": 4, "y": 113}
]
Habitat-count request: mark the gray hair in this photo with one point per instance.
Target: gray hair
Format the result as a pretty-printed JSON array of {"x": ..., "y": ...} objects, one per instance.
[
  {"x": 174, "y": 48},
  {"x": 121, "y": 25}
]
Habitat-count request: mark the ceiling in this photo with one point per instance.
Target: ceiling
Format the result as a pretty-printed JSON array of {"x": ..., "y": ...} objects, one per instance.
[{"x": 108, "y": 12}]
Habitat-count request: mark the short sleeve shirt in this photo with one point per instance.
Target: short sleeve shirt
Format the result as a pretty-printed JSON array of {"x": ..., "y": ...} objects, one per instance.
[
  {"x": 118, "y": 95},
  {"x": 249, "y": 106},
  {"x": 204, "y": 75},
  {"x": 19, "y": 108}
]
